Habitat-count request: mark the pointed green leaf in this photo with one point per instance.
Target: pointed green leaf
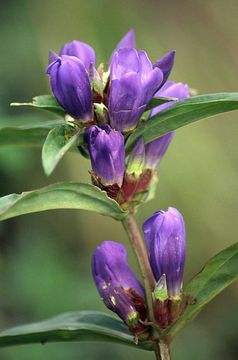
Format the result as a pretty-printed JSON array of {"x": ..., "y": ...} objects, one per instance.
[
  {"x": 183, "y": 113},
  {"x": 58, "y": 142},
  {"x": 218, "y": 273},
  {"x": 76, "y": 326},
  {"x": 60, "y": 196},
  {"x": 46, "y": 102},
  {"x": 27, "y": 135},
  {"x": 157, "y": 101}
]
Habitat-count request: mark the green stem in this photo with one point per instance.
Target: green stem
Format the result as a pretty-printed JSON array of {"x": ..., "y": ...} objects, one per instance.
[{"x": 138, "y": 246}]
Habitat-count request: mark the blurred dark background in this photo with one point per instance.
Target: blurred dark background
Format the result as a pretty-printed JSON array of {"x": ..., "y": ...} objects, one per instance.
[{"x": 45, "y": 257}]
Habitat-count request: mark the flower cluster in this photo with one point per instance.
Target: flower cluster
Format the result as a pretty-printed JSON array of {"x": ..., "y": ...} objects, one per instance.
[
  {"x": 109, "y": 104},
  {"x": 119, "y": 287}
]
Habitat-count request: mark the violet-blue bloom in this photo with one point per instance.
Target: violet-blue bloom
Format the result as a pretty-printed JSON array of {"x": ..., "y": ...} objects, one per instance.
[
  {"x": 133, "y": 83},
  {"x": 114, "y": 279},
  {"x": 166, "y": 244},
  {"x": 81, "y": 50},
  {"x": 154, "y": 151},
  {"x": 107, "y": 153},
  {"x": 71, "y": 87}
]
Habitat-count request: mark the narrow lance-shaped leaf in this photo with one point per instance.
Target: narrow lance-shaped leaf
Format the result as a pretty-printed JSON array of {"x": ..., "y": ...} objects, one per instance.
[
  {"x": 60, "y": 196},
  {"x": 58, "y": 142},
  {"x": 218, "y": 273},
  {"x": 183, "y": 113},
  {"x": 76, "y": 326},
  {"x": 45, "y": 102},
  {"x": 27, "y": 135}
]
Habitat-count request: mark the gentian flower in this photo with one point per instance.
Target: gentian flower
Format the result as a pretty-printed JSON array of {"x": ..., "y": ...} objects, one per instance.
[
  {"x": 133, "y": 83},
  {"x": 117, "y": 284},
  {"x": 166, "y": 244},
  {"x": 107, "y": 153},
  {"x": 71, "y": 86},
  {"x": 155, "y": 150}
]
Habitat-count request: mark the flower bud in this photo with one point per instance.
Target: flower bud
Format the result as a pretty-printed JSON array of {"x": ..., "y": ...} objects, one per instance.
[
  {"x": 133, "y": 83},
  {"x": 166, "y": 244},
  {"x": 117, "y": 284},
  {"x": 80, "y": 50},
  {"x": 107, "y": 153},
  {"x": 155, "y": 150},
  {"x": 71, "y": 86}
]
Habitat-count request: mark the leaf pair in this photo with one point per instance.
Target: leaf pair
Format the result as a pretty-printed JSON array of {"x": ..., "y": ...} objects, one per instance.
[{"x": 180, "y": 114}]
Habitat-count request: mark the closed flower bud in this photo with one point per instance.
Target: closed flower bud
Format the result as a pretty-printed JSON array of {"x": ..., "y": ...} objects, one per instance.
[
  {"x": 117, "y": 284},
  {"x": 71, "y": 86},
  {"x": 107, "y": 153},
  {"x": 155, "y": 150},
  {"x": 166, "y": 244},
  {"x": 81, "y": 50},
  {"x": 133, "y": 83}
]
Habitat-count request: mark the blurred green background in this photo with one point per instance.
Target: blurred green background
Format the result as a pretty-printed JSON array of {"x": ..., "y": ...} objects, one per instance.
[{"x": 45, "y": 257}]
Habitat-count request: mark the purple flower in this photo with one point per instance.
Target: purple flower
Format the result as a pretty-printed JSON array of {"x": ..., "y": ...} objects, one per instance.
[
  {"x": 155, "y": 150},
  {"x": 133, "y": 83},
  {"x": 82, "y": 51},
  {"x": 116, "y": 282},
  {"x": 71, "y": 86},
  {"x": 166, "y": 244},
  {"x": 107, "y": 153}
]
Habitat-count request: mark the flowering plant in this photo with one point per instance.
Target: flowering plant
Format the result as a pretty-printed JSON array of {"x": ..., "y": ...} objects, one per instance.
[{"x": 122, "y": 117}]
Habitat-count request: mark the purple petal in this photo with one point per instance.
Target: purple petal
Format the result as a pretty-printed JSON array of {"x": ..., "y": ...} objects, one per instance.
[
  {"x": 128, "y": 41},
  {"x": 166, "y": 64},
  {"x": 81, "y": 50}
]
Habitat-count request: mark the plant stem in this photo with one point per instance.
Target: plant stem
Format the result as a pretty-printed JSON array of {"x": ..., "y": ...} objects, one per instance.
[
  {"x": 138, "y": 246},
  {"x": 162, "y": 350}
]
